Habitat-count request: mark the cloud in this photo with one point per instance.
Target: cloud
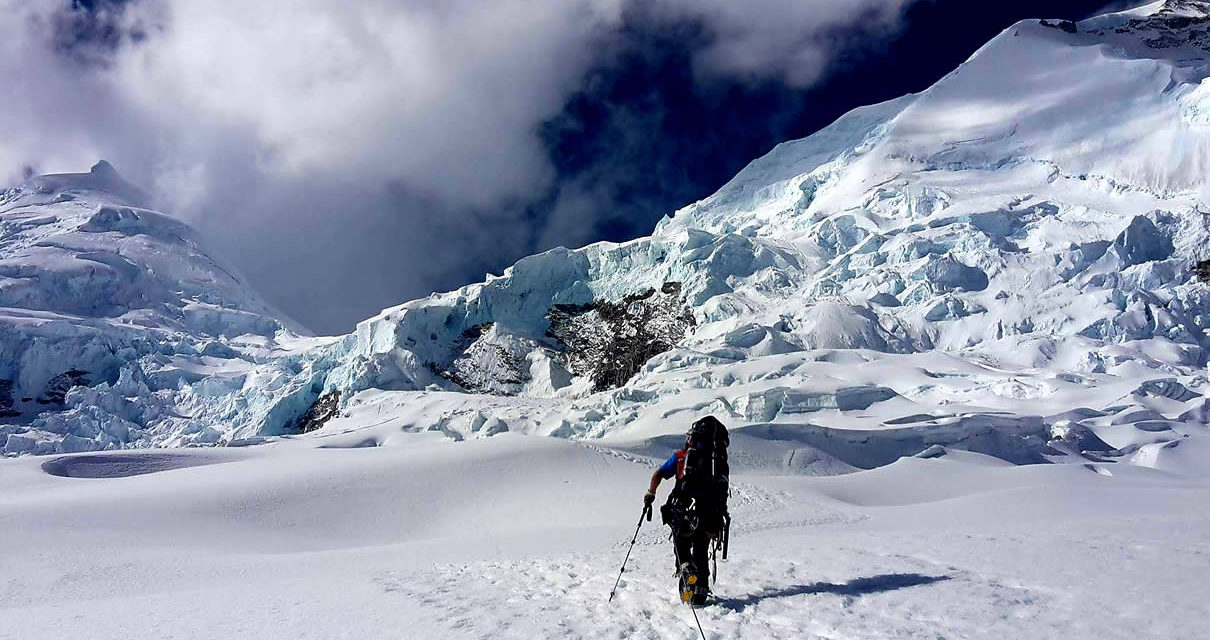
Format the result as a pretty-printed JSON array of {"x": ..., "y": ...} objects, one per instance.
[
  {"x": 358, "y": 153},
  {"x": 794, "y": 40}
]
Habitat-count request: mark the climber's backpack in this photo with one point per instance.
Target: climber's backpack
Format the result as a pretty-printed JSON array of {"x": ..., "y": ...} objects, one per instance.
[{"x": 699, "y": 499}]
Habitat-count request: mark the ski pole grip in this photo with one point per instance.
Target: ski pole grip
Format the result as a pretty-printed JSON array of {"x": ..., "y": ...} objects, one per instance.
[{"x": 647, "y": 512}]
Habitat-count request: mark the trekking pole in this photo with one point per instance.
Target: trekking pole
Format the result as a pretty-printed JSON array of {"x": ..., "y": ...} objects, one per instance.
[
  {"x": 646, "y": 514},
  {"x": 699, "y": 623}
]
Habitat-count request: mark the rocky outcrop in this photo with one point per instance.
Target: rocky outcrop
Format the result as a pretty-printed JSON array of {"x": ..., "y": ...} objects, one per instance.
[
  {"x": 6, "y": 400},
  {"x": 1062, "y": 25},
  {"x": 56, "y": 390},
  {"x": 610, "y": 341},
  {"x": 326, "y": 407}
]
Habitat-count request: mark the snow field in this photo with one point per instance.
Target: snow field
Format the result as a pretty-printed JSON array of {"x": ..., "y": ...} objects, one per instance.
[{"x": 521, "y": 537}]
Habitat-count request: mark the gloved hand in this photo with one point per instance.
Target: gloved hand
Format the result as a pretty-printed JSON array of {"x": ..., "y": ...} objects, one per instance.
[{"x": 648, "y": 499}]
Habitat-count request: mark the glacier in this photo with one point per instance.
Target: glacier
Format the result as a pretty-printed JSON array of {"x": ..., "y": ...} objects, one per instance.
[
  {"x": 107, "y": 309},
  {"x": 1006, "y": 262}
]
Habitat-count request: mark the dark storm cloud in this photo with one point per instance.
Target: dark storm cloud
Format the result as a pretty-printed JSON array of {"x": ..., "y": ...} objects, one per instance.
[{"x": 349, "y": 156}]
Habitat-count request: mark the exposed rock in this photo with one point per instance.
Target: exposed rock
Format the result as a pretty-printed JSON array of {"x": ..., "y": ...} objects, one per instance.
[
  {"x": 6, "y": 400},
  {"x": 610, "y": 341},
  {"x": 1202, "y": 270},
  {"x": 326, "y": 407},
  {"x": 56, "y": 389},
  {"x": 1179, "y": 23},
  {"x": 1064, "y": 25}
]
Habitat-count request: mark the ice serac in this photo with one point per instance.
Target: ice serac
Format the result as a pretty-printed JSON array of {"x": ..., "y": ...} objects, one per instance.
[
  {"x": 1000, "y": 241},
  {"x": 995, "y": 263},
  {"x": 1004, "y": 217},
  {"x": 106, "y": 308}
]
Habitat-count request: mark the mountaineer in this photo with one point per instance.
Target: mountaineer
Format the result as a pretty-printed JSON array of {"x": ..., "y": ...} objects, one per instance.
[{"x": 696, "y": 509}]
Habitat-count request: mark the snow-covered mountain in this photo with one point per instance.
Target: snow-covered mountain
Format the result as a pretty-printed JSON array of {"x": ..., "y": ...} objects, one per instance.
[
  {"x": 1006, "y": 262},
  {"x": 105, "y": 305}
]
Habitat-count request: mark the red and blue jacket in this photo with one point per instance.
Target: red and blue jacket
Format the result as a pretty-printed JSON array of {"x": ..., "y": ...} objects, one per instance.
[{"x": 673, "y": 466}]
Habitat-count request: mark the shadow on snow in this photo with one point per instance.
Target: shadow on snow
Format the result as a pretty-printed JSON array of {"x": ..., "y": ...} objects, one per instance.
[{"x": 854, "y": 587}]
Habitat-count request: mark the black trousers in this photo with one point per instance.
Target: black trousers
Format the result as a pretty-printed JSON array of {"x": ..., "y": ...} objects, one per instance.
[{"x": 695, "y": 549}]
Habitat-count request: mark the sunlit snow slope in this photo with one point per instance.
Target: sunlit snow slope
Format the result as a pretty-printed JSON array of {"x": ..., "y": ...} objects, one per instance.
[{"x": 1005, "y": 263}]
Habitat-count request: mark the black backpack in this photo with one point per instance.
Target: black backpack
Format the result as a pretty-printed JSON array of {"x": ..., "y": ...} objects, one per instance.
[{"x": 699, "y": 499}]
